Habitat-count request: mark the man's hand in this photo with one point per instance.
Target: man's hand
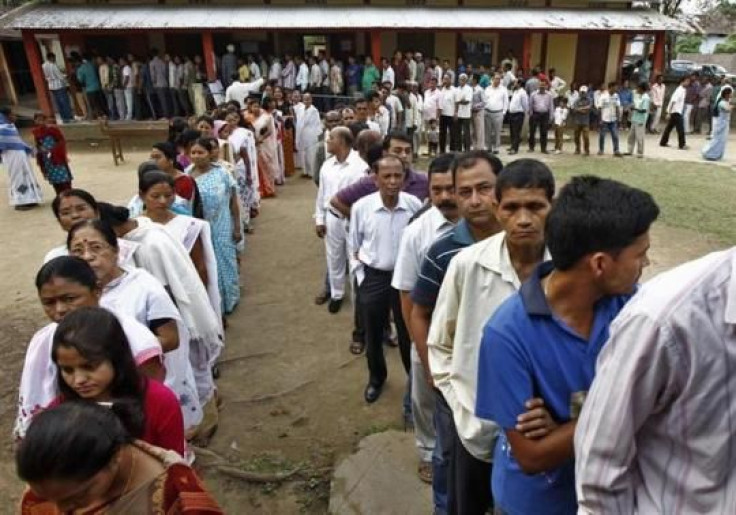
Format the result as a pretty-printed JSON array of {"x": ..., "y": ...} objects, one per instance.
[
  {"x": 536, "y": 422},
  {"x": 321, "y": 230}
]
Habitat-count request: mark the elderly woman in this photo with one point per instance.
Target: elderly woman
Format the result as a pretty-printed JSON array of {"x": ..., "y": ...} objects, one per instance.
[{"x": 25, "y": 192}]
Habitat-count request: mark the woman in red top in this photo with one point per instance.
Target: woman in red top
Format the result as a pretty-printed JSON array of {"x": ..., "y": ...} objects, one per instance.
[
  {"x": 164, "y": 156},
  {"x": 94, "y": 360}
]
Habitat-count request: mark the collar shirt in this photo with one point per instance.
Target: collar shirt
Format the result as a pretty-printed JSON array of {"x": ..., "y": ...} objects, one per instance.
[
  {"x": 302, "y": 78},
  {"x": 181, "y": 78},
  {"x": 561, "y": 114},
  {"x": 412, "y": 70},
  {"x": 447, "y": 101},
  {"x": 288, "y": 75},
  {"x": 451, "y": 73},
  {"x": 308, "y": 128},
  {"x": 128, "y": 79},
  {"x": 479, "y": 99},
  {"x": 531, "y": 86},
  {"x": 388, "y": 76},
  {"x": 324, "y": 69},
  {"x": 375, "y": 231},
  {"x": 609, "y": 106},
  {"x": 497, "y": 99},
  {"x": 438, "y": 74},
  {"x": 704, "y": 98},
  {"x": 412, "y": 117},
  {"x": 657, "y": 94},
  {"x": 581, "y": 110},
  {"x": 173, "y": 79},
  {"x": 393, "y": 102},
  {"x": 53, "y": 76},
  {"x": 692, "y": 93},
  {"x": 239, "y": 91},
  {"x": 519, "y": 102},
  {"x": 677, "y": 101},
  {"x": 641, "y": 109},
  {"x": 415, "y": 184},
  {"x": 383, "y": 119},
  {"x": 656, "y": 431},
  {"x": 415, "y": 241},
  {"x": 480, "y": 278},
  {"x": 334, "y": 176},
  {"x": 104, "y": 71},
  {"x": 508, "y": 79},
  {"x": 527, "y": 351},
  {"x": 255, "y": 71},
  {"x": 315, "y": 76},
  {"x": 274, "y": 72},
  {"x": 432, "y": 98},
  {"x": 158, "y": 72},
  {"x": 556, "y": 86},
  {"x": 542, "y": 103}
]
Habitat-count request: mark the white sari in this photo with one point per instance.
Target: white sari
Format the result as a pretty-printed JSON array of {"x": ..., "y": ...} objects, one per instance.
[
  {"x": 39, "y": 383},
  {"x": 138, "y": 294},
  {"x": 164, "y": 257}
]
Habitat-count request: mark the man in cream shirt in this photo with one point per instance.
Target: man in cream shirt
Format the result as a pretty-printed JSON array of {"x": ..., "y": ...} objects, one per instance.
[
  {"x": 497, "y": 103},
  {"x": 463, "y": 113},
  {"x": 480, "y": 278}
]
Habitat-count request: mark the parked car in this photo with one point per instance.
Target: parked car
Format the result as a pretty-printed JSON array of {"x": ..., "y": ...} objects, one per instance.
[
  {"x": 716, "y": 70},
  {"x": 678, "y": 69}
]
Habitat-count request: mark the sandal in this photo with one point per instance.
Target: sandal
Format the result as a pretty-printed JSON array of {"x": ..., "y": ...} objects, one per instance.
[{"x": 357, "y": 348}]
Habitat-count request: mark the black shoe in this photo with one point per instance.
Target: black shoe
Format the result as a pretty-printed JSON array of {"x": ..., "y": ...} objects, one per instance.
[
  {"x": 545, "y": 151},
  {"x": 322, "y": 298},
  {"x": 372, "y": 393},
  {"x": 664, "y": 145},
  {"x": 334, "y": 305}
]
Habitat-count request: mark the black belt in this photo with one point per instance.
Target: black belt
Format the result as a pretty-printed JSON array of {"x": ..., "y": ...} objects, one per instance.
[
  {"x": 493, "y": 112},
  {"x": 336, "y": 214}
]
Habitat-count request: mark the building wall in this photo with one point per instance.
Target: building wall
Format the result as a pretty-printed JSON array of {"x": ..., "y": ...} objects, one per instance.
[
  {"x": 536, "y": 55},
  {"x": 561, "y": 51},
  {"x": 445, "y": 45},
  {"x": 612, "y": 64},
  {"x": 388, "y": 44}
]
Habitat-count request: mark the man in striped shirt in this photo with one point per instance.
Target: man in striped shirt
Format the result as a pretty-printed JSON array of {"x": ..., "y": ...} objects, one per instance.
[
  {"x": 657, "y": 434},
  {"x": 56, "y": 80}
]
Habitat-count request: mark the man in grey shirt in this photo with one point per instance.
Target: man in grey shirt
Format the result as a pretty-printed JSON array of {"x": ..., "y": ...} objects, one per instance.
[
  {"x": 541, "y": 111},
  {"x": 160, "y": 81}
]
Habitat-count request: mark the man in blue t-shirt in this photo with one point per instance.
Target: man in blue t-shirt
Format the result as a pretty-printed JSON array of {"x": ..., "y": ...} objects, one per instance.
[{"x": 544, "y": 340}]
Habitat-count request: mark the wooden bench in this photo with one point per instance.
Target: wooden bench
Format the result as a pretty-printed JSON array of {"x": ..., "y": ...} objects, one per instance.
[{"x": 116, "y": 131}]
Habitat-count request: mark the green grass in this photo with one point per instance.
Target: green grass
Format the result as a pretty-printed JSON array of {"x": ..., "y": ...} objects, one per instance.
[{"x": 695, "y": 196}]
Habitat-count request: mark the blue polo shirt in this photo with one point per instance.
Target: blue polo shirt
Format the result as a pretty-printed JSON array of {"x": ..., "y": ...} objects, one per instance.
[
  {"x": 526, "y": 352},
  {"x": 436, "y": 262}
]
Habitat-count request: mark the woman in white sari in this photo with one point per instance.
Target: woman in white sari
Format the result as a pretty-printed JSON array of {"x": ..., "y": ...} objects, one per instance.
[
  {"x": 25, "y": 192},
  {"x": 136, "y": 293},
  {"x": 243, "y": 147},
  {"x": 167, "y": 260}
]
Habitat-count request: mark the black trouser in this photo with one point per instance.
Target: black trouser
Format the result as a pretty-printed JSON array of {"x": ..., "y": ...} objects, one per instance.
[
  {"x": 516, "y": 122},
  {"x": 97, "y": 104},
  {"x": 468, "y": 478},
  {"x": 163, "y": 101},
  {"x": 675, "y": 122},
  {"x": 446, "y": 129},
  {"x": 540, "y": 120},
  {"x": 462, "y": 135},
  {"x": 377, "y": 300}
]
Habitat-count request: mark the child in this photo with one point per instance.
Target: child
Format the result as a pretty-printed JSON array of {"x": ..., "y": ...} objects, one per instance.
[
  {"x": 51, "y": 153},
  {"x": 94, "y": 361},
  {"x": 433, "y": 138},
  {"x": 561, "y": 112}
]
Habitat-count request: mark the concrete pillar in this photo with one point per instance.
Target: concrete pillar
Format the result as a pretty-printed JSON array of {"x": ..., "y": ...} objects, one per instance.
[
  {"x": 39, "y": 82},
  {"x": 526, "y": 53},
  {"x": 208, "y": 49},
  {"x": 376, "y": 47},
  {"x": 658, "y": 64}
]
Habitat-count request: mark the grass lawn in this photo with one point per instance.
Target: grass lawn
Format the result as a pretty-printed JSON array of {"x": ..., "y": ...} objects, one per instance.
[{"x": 694, "y": 196}]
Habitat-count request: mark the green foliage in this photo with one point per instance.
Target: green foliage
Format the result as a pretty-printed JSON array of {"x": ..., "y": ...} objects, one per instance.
[
  {"x": 688, "y": 43},
  {"x": 727, "y": 47}
]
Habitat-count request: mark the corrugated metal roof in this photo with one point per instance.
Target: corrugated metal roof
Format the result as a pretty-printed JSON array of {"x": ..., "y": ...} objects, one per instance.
[{"x": 324, "y": 18}]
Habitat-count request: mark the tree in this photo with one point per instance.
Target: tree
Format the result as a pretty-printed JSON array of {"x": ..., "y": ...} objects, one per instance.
[
  {"x": 727, "y": 47},
  {"x": 688, "y": 43}
]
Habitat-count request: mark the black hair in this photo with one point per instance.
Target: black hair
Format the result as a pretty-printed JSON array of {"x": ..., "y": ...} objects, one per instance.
[
  {"x": 72, "y": 441},
  {"x": 97, "y": 336},
  {"x": 207, "y": 119},
  {"x": 177, "y": 126},
  {"x": 149, "y": 179},
  {"x": 168, "y": 149},
  {"x": 373, "y": 154},
  {"x": 147, "y": 167},
  {"x": 441, "y": 164},
  {"x": 67, "y": 267},
  {"x": 113, "y": 215},
  {"x": 469, "y": 159},
  {"x": 592, "y": 214},
  {"x": 205, "y": 143},
  {"x": 397, "y": 135},
  {"x": 188, "y": 137},
  {"x": 74, "y": 192},
  {"x": 100, "y": 226},
  {"x": 526, "y": 174},
  {"x": 377, "y": 163}
]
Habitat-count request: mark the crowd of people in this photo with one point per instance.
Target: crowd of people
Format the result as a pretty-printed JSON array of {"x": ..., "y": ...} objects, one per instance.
[{"x": 516, "y": 308}]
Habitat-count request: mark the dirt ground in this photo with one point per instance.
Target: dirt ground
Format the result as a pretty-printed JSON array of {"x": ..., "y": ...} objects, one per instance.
[{"x": 292, "y": 392}]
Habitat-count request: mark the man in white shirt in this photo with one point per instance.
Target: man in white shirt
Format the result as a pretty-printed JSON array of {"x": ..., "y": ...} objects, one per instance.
[
  {"x": 339, "y": 171},
  {"x": 417, "y": 104},
  {"x": 675, "y": 120},
  {"x": 518, "y": 108},
  {"x": 274, "y": 72},
  {"x": 556, "y": 84},
  {"x": 57, "y": 85},
  {"x": 609, "y": 106},
  {"x": 239, "y": 91},
  {"x": 463, "y": 101},
  {"x": 447, "y": 115},
  {"x": 376, "y": 224},
  {"x": 655, "y": 434},
  {"x": 415, "y": 241},
  {"x": 395, "y": 107},
  {"x": 412, "y": 67},
  {"x": 431, "y": 104},
  {"x": 387, "y": 73},
  {"x": 255, "y": 70},
  {"x": 308, "y": 129},
  {"x": 302, "y": 75},
  {"x": 479, "y": 279},
  {"x": 315, "y": 76},
  {"x": 508, "y": 76},
  {"x": 497, "y": 103}
]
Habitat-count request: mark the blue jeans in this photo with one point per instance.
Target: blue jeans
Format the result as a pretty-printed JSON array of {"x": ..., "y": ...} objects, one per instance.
[
  {"x": 611, "y": 127},
  {"x": 61, "y": 99}
]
